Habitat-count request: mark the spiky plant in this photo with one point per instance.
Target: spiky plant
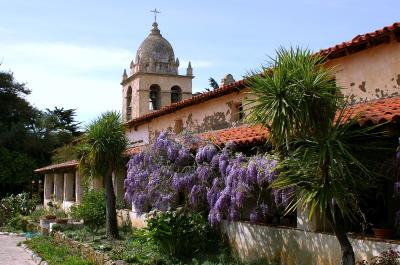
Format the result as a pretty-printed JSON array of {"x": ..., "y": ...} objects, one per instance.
[
  {"x": 101, "y": 154},
  {"x": 296, "y": 98}
]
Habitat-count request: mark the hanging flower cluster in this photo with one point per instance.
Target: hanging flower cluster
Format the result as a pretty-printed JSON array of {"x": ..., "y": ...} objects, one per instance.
[{"x": 225, "y": 184}]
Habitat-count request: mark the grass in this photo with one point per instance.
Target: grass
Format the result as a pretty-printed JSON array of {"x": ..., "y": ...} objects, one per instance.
[{"x": 55, "y": 253}]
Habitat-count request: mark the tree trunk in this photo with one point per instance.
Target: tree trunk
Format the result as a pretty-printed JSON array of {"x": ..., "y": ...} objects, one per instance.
[
  {"x": 340, "y": 233},
  {"x": 111, "y": 215}
]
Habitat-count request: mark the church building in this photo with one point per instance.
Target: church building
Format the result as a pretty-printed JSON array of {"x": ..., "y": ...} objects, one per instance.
[{"x": 156, "y": 97}]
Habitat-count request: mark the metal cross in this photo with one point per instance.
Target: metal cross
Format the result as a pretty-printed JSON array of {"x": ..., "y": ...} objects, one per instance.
[{"x": 155, "y": 11}]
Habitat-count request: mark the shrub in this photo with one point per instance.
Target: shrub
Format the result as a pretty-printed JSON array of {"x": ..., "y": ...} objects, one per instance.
[
  {"x": 180, "y": 233},
  {"x": 15, "y": 205},
  {"x": 18, "y": 223},
  {"x": 92, "y": 209},
  {"x": 390, "y": 257}
]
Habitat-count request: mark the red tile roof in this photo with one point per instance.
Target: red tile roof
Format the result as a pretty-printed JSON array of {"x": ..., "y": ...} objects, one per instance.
[
  {"x": 134, "y": 150},
  {"x": 373, "y": 112},
  {"x": 359, "y": 42},
  {"x": 54, "y": 167},
  {"x": 332, "y": 52},
  {"x": 377, "y": 111},
  {"x": 239, "y": 135},
  {"x": 234, "y": 87}
]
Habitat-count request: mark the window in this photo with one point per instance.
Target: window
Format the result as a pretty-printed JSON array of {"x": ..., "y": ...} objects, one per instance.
[
  {"x": 237, "y": 113},
  {"x": 154, "y": 97},
  {"x": 129, "y": 103},
  {"x": 176, "y": 94}
]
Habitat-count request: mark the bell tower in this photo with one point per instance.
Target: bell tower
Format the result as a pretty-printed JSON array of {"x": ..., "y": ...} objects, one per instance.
[{"x": 154, "y": 80}]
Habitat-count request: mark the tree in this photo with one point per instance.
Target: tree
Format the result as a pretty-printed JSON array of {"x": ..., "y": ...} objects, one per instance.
[
  {"x": 101, "y": 154},
  {"x": 213, "y": 83},
  {"x": 296, "y": 99},
  {"x": 28, "y": 136}
]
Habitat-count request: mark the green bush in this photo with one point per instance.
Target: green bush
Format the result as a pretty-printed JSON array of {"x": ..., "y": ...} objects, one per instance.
[
  {"x": 92, "y": 209},
  {"x": 18, "y": 223},
  {"x": 180, "y": 233},
  {"x": 15, "y": 205}
]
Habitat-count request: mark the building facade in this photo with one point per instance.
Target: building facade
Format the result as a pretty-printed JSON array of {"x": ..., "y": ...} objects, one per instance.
[{"x": 157, "y": 98}]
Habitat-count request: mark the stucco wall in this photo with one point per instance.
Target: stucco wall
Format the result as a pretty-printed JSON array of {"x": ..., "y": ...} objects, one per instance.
[
  {"x": 293, "y": 246},
  {"x": 141, "y": 83},
  {"x": 369, "y": 74},
  {"x": 213, "y": 114}
]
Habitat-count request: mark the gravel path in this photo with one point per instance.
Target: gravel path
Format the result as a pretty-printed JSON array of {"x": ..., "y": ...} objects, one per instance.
[{"x": 10, "y": 254}]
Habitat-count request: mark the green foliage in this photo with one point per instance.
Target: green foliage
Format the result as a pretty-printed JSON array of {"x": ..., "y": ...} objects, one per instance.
[
  {"x": 325, "y": 170},
  {"x": 180, "y": 233},
  {"x": 37, "y": 214},
  {"x": 103, "y": 144},
  {"x": 92, "y": 209},
  {"x": 18, "y": 222},
  {"x": 65, "y": 153},
  {"x": 15, "y": 167},
  {"x": 27, "y": 135},
  {"x": 101, "y": 153},
  {"x": 55, "y": 253},
  {"x": 139, "y": 250},
  {"x": 16, "y": 205},
  {"x": 14, "y": 210},
  {"x": 294, "y": 95}
]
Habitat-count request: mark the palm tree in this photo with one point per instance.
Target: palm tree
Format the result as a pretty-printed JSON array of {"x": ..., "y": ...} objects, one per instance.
[
  {"x": 296, "y": 98},
  {"x": 101, "y": 154}
]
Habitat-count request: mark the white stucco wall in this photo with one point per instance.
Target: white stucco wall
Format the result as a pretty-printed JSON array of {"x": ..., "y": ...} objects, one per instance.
[
  {"x": 294, "y": 246},
  {"x": 371, "y": 73},
  {"x": 213, "y": 114}
]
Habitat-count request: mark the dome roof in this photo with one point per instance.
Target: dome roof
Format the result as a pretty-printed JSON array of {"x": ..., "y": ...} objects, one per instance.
[{"x": 155, "y": 48}]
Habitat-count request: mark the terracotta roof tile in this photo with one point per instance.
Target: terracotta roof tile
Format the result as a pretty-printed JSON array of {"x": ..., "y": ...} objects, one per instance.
[
  {"x": 134, "y": 150},
  {"x": 53, "y": 167},
  {"x": 377, "y": 111},
  {"x": 239, "y": 135},
  {"x": 236, "y": 86},
  {"x": 332, "y": 52},
  {"x": 373, "y": 112},
  {"x": 339, "y": 50}
]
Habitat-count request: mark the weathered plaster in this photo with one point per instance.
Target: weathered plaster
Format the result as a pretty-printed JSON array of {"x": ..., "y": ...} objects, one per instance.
[{"x": 369, "y": 74}]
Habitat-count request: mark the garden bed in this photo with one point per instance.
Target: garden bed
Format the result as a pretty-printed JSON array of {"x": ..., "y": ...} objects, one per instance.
[
  {"x": 55, "y": 253},
  {"x": 134, "y": 247}
]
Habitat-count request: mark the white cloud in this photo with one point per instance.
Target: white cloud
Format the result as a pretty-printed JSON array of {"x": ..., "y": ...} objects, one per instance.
[
  {"x": 73, "y": 76},
  {"x": 68, "y": 75}
]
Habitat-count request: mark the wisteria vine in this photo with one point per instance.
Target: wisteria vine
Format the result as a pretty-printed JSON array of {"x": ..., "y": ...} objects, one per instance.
[{"x": 223, "y": 183}]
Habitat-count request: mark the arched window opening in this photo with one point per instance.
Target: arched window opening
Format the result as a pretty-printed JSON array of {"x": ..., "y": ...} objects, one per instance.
[
  {"x": 176, "y": 94},
  {"x": 129, "y": 103},
  {"x": 154, "y": 97}
]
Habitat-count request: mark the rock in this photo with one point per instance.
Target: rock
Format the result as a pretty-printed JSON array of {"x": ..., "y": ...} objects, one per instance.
[
  {"x": 38, "y": 260},
  {"x": 44, "y": 263}
]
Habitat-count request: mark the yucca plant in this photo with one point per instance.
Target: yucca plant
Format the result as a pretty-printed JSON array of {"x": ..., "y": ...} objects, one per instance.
[
  {"x": 293, "y": 95},
  {"x": 296, "y": 98},
  {"x": 101, "y": 154}
]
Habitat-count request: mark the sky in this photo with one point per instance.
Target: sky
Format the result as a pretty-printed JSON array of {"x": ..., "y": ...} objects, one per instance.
[{"x": 72, "y": 53}]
